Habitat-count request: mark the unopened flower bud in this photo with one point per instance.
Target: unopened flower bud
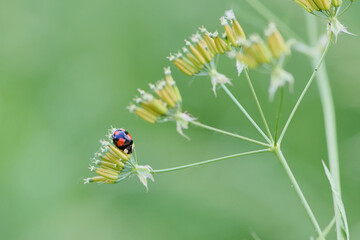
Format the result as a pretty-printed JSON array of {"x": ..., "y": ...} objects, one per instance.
[
  {"x": 165, "y": 95},
  {"x": 259, "y": 50},
  {"x": 144, "y": 114},
  {"x": 336, "y": 3},
  {"x": 323, "y": 4},
  {"x": 276, "y": 42},
  {"x": 229, "y": 31},
  {"x": 305, "y": 4},
  {"x": 196, "y": 53},
  {"x": 313, "y": 5}
]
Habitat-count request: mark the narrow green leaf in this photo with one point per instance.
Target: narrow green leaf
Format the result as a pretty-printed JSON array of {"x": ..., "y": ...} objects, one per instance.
[{"x": 339, "y": 203}]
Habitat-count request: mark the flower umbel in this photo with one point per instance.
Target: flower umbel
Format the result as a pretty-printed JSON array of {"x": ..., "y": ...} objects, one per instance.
[
  {"x": 167, "y": 106},
  {"x": 329, "y": 9},
  {"x": 199, "y": 53},
  {"x": 113, "y": 165},
  {"x": 268, "y": 55}
]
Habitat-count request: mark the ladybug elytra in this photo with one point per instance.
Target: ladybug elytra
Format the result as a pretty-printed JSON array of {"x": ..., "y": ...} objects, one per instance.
[{"x": 123, "y": 140}]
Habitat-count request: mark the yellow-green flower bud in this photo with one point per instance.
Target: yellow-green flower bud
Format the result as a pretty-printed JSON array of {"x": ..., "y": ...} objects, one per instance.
[
  {"x": 106, "y": 174},
  {"x": 323, "y": 4},
  {"x": 259, "y": 50},
  {"x": 159, "y": 106},
  {"x": 275, "y": 41},
  {"x": 236, "y": 27},
  {"x": 227, "y": 41},
  {"x": 106, "y": 164},
  {"x": 171, "y": 85},
  {"x": 114, "y": 170},
  {"x": 239, "y": 32},
  {"x": 196, "y": 53},
  {"x": 229, "y": 31},
  {"x": 119, "y": 153},
  {"x": 165, "y": 94},
  {"x": 177, "y": 92},
  {"x": 220, "y": 44},
  {"x": 181, "y": 65},
  {"x": 210, "y": 43},
  {"x": 184, "y": 67},
  {"x": 192, "y": 58},
  {"x": 95, "y": 179},
  {"x": 142, "y": 113},
  {"x": 204, "y": 52},
  {"x": 313, "y": 5},
  {"x": 169, "y": 89},
  {"x": 336, "y": 3},
  {"x": 148, "y": 108},
  {"x": 305, "y": 4},
  {"x": 146, "y": 105},
  {"x": 248, "y": 60},
  {"x": 154, "y": 103}
]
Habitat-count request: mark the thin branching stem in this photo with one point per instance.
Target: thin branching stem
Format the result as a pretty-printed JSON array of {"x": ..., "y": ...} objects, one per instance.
[
  {"x": 327, "y": 103},
  {"x": 209, "y": 161},
  {"x": 306, "y": 88},
  {"x": 298, "y": 191},
  {"x": 258, "y": 104},
  {"x": 327, "y": 229},
  {"x": 278, "y": 114},
  {"x": 325, "y": 94},
  {"x": 245, "y": 112},
  {"x": 196, "y": 123}
]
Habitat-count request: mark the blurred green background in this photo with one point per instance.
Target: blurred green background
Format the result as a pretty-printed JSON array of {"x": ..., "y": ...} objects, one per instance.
[{"x": 68, "y": 69}]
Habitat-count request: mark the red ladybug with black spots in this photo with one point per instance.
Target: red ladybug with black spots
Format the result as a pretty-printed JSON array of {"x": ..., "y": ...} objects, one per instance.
[{"x": 123, "y": 140}]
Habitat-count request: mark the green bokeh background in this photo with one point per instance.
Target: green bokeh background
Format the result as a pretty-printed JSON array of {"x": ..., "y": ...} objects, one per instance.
[{"x": 68, "y": 69}]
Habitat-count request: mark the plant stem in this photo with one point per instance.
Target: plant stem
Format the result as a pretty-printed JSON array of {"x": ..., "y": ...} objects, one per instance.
[
  {"x": 306, "y": 88},
  {"x": 209, "y": 161},
  {"x": 258, "y": 104},
  {"x": 196, "y": 123},
  {"x": 267, "y": 14},
  {"x": 298, "y": 191},
  {"x": 245, "y": 112},
  {"x": 327, "y": 104},
  {"x": 327, "y": 229},
  {"x": 278, "y": 114}
]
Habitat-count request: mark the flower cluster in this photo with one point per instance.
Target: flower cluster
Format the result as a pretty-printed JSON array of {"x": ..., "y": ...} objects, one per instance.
[
  {"x": 109, "y": 163},
  {"x": 268, "y": 54},
  {"x": 198, "y": 57},
  {"x": 112, "y": 164},
  {"x": 329, "y": 9},
  {"x": 166, "y": 106},
  {"x": 199, "y": 53}
]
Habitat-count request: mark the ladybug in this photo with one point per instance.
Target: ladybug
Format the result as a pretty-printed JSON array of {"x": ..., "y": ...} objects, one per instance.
[{"x": 123, "y": 140}]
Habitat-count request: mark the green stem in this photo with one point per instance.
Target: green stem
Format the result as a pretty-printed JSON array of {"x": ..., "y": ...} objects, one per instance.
[
  {"x": 327, "y": 229},
  {"x": 278, "y": 113},
  {"x": 270, "y": 16},
  {"x": 327, "y": 104},
  {"x": 229, "y": 133},
  {"x": 209, "y": 161},
  {"x": 298, "y": 191},
  {"x": 245, "y": 112},
  {"x": 258, "y": 104},
  {"x": 306, "y": 88}
]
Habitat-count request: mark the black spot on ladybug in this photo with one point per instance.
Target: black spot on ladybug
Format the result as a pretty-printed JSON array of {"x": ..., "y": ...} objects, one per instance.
[{"x": 123, "y": 140}]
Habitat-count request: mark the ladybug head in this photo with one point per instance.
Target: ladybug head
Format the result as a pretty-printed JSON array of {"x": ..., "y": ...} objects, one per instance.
[{"x": 123, "y": 140}]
